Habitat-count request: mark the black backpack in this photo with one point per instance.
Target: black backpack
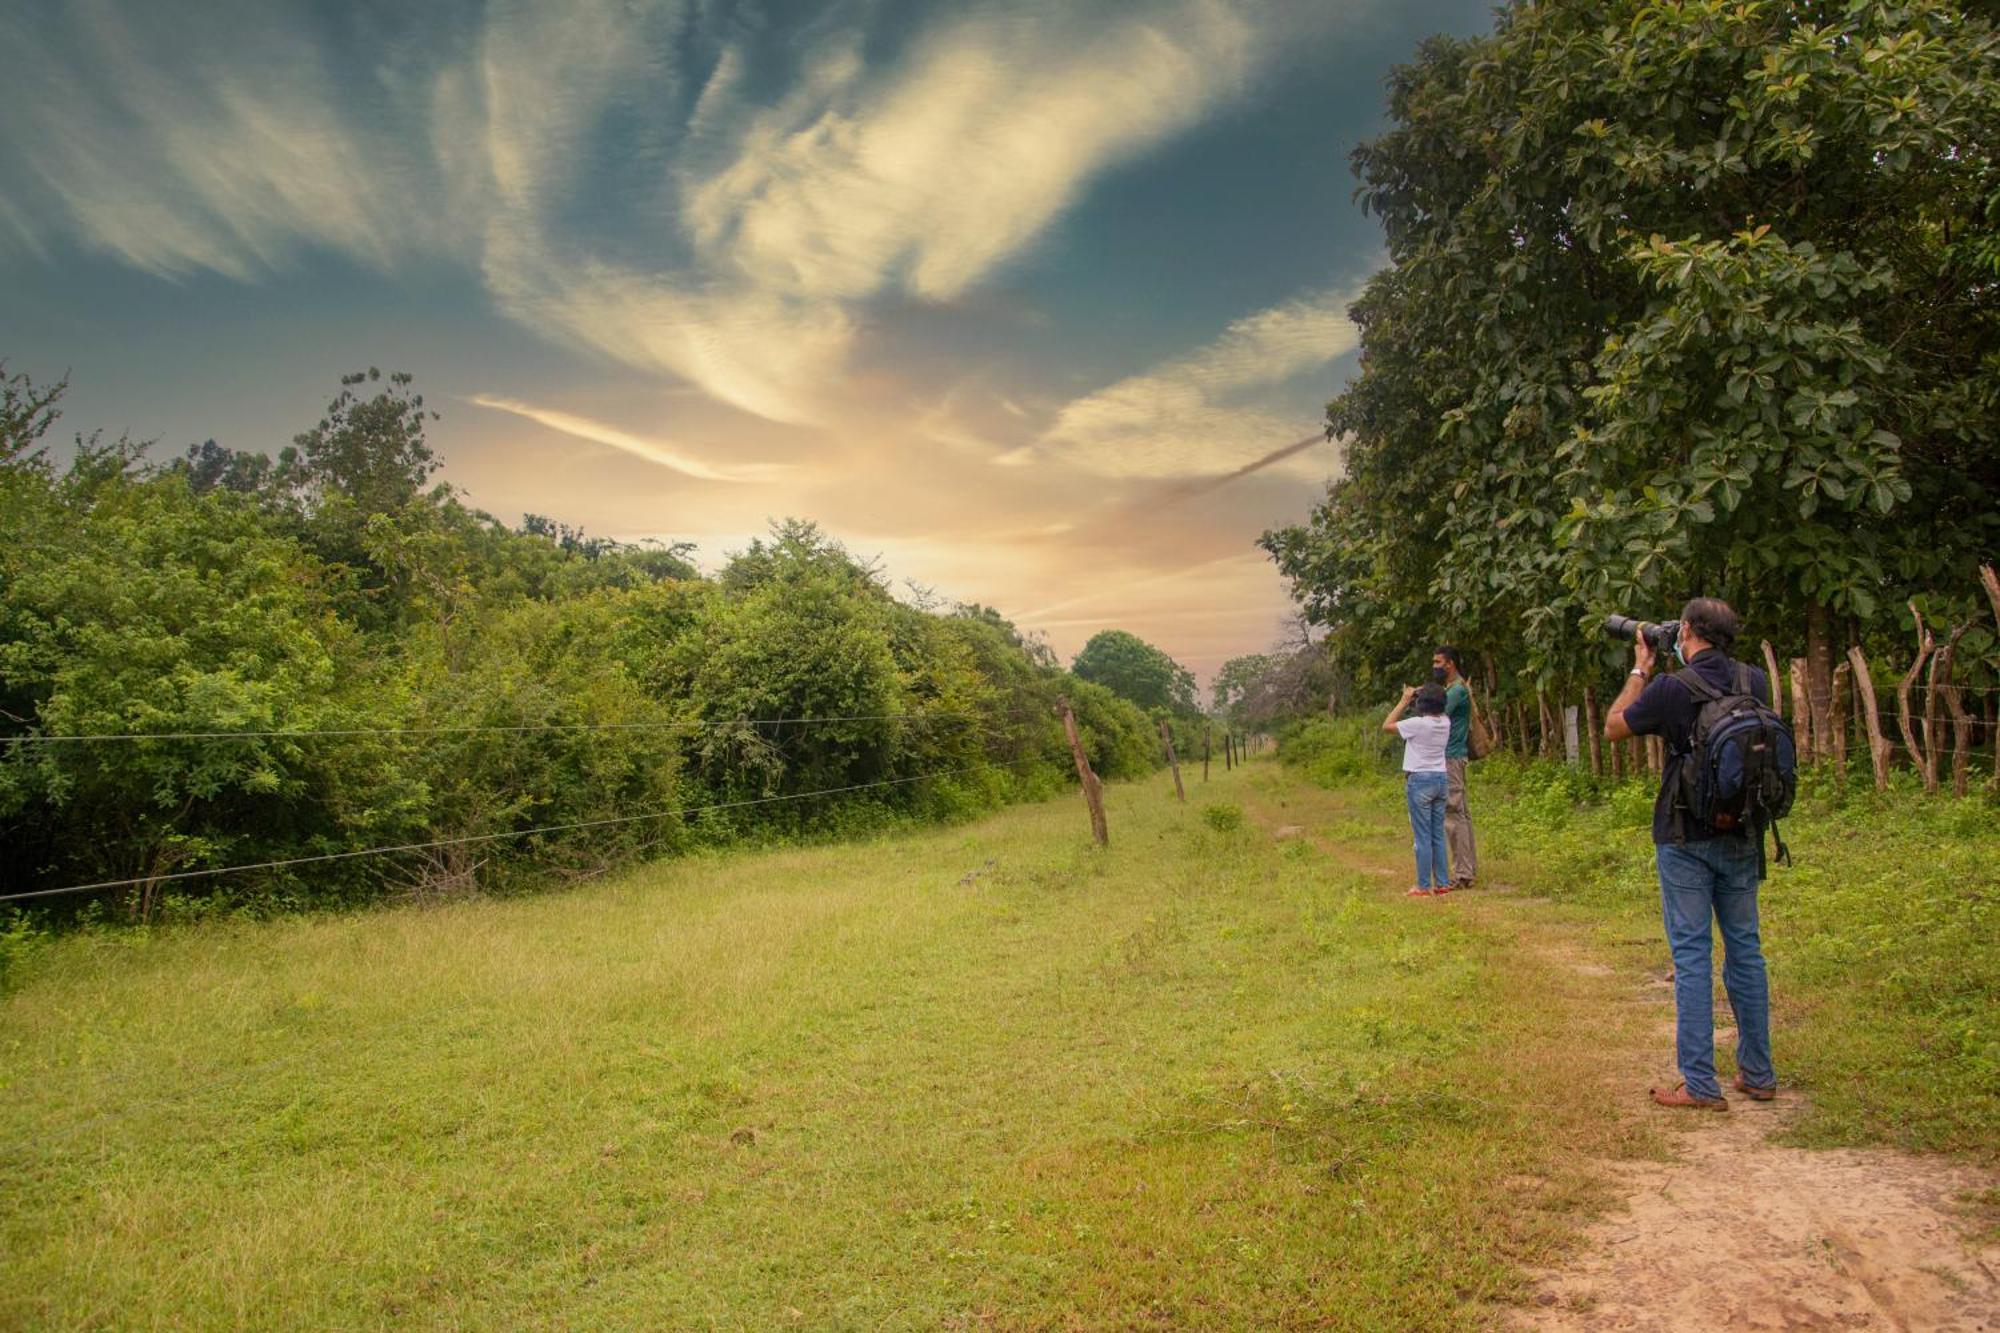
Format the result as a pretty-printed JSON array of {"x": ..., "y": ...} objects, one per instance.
[{"x": 1741, "y": 770}]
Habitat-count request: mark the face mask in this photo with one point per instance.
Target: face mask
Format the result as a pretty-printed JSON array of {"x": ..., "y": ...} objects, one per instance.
[
  {"x": 1679, "y": 656},
  {"x": 1439, "y": 674}
]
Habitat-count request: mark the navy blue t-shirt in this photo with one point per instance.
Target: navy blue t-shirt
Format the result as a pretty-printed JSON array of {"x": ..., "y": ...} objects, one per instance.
[{"x": 1666, "y": 708}]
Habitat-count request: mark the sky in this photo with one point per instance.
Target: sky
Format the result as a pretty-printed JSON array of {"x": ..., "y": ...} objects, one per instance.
[{"x": 1028, "y": 299}]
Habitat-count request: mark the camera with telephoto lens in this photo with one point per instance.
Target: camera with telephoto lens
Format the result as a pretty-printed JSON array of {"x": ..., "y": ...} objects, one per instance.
[{"x": 1662, "y": 635}]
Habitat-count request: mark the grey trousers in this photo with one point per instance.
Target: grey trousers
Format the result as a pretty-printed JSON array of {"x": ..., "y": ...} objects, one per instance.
[{"x": 1458, "y": 824}]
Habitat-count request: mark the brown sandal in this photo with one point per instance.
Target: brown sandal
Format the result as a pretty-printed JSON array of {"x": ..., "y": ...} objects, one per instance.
[
  {"x": 1755, "y": 1094},
  {"x": 1678, "y": 1095}
]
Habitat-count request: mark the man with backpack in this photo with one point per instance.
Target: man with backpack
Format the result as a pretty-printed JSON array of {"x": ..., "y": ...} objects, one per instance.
[{"x": 1729, "y": 774}]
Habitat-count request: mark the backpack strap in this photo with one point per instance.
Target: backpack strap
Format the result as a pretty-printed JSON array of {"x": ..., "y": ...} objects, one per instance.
[{"x": 1698, "y": 685}]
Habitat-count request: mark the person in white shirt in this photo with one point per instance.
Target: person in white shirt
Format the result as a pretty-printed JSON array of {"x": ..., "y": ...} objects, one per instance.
[{"x": 1425, "y": 735}]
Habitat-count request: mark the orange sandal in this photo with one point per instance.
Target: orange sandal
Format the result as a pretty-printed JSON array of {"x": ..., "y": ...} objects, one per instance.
[
  {"x": 1755, "y": 1094},
  {"x": 1678, "y": 1095}
]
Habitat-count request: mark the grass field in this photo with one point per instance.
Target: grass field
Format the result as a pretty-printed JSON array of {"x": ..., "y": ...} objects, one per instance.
[{"x": 987, "y": 1076}]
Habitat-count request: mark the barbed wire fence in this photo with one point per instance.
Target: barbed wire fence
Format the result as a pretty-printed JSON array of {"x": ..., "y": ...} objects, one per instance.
[{"x": 30, "y": 745}]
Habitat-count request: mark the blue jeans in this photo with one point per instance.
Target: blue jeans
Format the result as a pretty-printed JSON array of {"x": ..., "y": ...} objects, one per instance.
[
  {"x": 1699, "y": 881},
  {"x": 1425, "y": 794}
]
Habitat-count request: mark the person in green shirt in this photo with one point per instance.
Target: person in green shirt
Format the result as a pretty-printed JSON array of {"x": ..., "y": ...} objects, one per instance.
[{"x": 1448, "y": 668}]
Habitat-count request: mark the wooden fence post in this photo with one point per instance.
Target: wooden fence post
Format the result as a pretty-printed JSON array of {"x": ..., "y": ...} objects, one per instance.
[
  {"x": 1871, "y": 717},
  {"x": 1777, "y": 695},
  {"x": 1920, "y": 754},
  {"x": 1093, "y": 795},
  {"x": 1590, "y": 721},
  {"x": 1991, "y": 581},
  {"x": 1205, "y": 737},
  {"x": 1836, "y": 717},
  {"x": 1961, "y": 721},
  {"x": 1167, "y": 739},
  {"x": 1802, "y": 736},
  {"x": 1572, "y": 743}
]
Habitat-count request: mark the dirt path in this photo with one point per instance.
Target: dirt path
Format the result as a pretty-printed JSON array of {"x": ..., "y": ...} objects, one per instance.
[
  {"x": 1741, "y": 1232},
  {"x": 1737, "y": 1231}
]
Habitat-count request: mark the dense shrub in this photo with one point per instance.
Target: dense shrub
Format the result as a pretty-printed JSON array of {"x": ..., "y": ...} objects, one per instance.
[{"x": 439, "y": 677}]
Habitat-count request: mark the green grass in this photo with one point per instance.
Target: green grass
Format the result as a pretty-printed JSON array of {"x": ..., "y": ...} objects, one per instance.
[{"x": 959, "y": 1078}]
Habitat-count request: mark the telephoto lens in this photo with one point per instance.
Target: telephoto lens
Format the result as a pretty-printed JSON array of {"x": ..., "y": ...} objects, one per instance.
[
  {"x": 1622, "y": 627},
  {"x": 1662, "y": 635}
]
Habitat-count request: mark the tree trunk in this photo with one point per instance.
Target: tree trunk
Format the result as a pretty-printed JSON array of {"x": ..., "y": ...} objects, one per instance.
[
  {"x": 1820, "y": 653},
  {"x": 1801, "y": 714},
  {"x": 1547, "y": 747},
  {"x": 1656, "y": 756},
  {"x": 1905, "y": 719},
  {"x": 1871, "y": 717}
]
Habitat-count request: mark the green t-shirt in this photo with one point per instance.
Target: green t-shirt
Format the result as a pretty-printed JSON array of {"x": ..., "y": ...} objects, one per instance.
[{"x": 1458, "y": 707}]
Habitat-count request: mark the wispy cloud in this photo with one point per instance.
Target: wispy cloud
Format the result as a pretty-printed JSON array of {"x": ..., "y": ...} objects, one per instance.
[
  {"x": 1194, "y": 415},
  {"x": 746, "y": 233},
  {"x": 929, "y": 176},
  {"x": 233, "y": 158},
  {"x": 652, "y": 450}
]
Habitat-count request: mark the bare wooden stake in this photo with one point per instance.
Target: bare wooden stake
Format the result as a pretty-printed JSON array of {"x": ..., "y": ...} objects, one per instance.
[
  {"x": 1991, "y": 581},
  {"x": 1093, "y": 794},
  {"x": 1961, "y": 721},
  {"x": 1596, "y": 732},
  {"x": 1771, "y": 674},
  {"x": 1837, "y": 723},
  {"x": 1167, "y": 739},
  {"x": 1205, "y": 738},
  {"x": 1921, "y": 754},
  {"x": 1871, "y": 717},
  {"x": 1993, "y": 738},
  {"x": 1802, "y": 736}
]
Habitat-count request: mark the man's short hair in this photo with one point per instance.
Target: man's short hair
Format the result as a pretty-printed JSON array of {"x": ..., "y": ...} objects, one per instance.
[
  {"x": 1711, "y": 618},
  {"x": 1429, "y": 701},
  {"x": 1450, "y": 654}
]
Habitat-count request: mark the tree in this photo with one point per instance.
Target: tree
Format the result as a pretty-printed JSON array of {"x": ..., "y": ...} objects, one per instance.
[
  {"x": 26, "y": 414},
  {"x": 1133, "y": 669},
  {"x": 209, "y": 465},
  {"x": 1684, "y": 297},
  {"x": 369, "y": 451}
]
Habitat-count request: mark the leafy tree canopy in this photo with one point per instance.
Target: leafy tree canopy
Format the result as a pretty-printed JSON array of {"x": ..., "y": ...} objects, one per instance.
[
  {"x": 1687, "y": 297},
  {"x": 1133, "y": 669}
]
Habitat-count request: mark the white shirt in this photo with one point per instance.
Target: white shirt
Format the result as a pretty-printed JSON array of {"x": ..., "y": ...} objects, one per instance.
[{"x": 1424, "y": 740}]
